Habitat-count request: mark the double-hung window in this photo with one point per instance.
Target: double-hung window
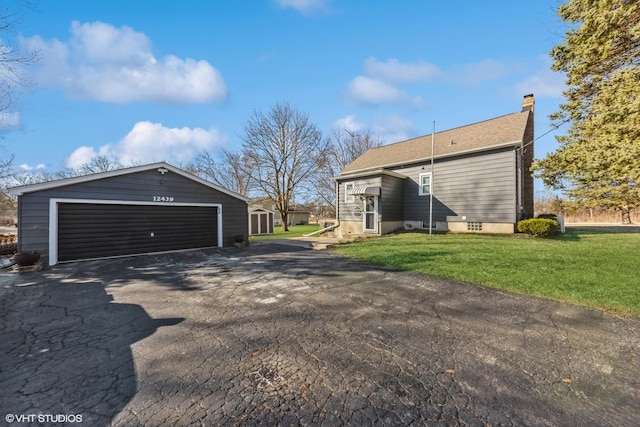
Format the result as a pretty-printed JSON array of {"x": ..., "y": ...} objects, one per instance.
[
  {"x": 348, "y": 198},
  {"x": 425, "y": 184}
]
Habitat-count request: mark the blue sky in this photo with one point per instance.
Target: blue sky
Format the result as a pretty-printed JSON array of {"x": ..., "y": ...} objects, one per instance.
[{"x": 151, "y": 80}]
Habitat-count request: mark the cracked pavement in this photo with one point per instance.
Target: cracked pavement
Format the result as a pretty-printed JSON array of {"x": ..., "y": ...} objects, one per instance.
[{"x": 276, "y": 334}]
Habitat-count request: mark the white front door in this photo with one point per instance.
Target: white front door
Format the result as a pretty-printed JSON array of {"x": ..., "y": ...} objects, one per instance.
[{"x": 370, "y": 217}]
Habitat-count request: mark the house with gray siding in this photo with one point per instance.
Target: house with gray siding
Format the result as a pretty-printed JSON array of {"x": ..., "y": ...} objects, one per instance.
[
  {"x": 480, "y": 180},
  {"x": 138, "y": 210},
  {"x": 296, "y": 214}
]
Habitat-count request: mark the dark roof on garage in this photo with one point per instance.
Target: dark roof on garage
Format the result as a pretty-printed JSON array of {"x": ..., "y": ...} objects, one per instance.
[{"x": 31, "y": 188}]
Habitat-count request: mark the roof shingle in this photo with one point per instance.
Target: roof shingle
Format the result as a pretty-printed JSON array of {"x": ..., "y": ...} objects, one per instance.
[{"x": 508, "y": 129}]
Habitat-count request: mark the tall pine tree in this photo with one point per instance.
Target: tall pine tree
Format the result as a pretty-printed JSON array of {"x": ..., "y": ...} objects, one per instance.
[{"x": 598, "y": 161}]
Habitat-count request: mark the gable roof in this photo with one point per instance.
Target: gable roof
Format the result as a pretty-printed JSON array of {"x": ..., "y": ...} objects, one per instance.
[
  {"x": 23, "y": 189},
  {"x": 260, "y": 209},
  {"x": 261, "y": 202},
  {"x": 486, "y": 135}
]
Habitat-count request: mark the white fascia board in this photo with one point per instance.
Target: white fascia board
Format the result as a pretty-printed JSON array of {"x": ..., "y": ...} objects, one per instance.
[
  {"x": 369, "y": 172},
  {"x": 20, "y": 190}
]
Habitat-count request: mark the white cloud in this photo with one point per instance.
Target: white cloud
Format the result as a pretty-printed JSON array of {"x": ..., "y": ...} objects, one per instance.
[
  {"x": 99, "y": 43},
  {"x": 9, "y": 120},
  {"x": 393, "y": 128},
  {"x": 349, "y": 123},
  {"x": 379, "y": 83},
  {"x": 150, "y": 142},
  {"x": 80, "y": 156},
  {"x": 28, "y": 167},
  {"x": 382, "y": 82},
  {"x": 306, "y": 7},
  {"x": 372, "y": 91},
  {"x": 112, "y": 64},
  {"x": 544, "y": 84},
  {"x": 394, "y": 71}
]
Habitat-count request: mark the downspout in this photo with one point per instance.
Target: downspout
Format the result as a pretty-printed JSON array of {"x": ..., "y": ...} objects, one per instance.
[
  {"x": 519, "y": 183},
  {"x": 337, "y": 224},
  {"x": 19, "y": 224}
]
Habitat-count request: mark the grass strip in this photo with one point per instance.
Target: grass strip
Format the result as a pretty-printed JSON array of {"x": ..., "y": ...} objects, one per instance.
[{"x": 600, "y": 270}]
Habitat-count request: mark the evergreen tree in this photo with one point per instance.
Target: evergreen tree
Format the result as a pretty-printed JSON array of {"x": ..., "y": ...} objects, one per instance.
[{"x": 598, "y": 161}]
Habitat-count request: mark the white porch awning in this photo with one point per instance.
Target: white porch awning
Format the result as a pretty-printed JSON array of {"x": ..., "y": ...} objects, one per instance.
[{"x": 364, "y": 191}]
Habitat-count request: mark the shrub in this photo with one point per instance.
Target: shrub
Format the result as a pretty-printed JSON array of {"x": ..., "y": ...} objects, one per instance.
[
  {"x": 548, "y": 216},
  {"x": 538, "y": 227}
]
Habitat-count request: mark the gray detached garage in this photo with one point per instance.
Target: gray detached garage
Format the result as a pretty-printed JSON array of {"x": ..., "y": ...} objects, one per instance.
[{"x": 143, "y": 209}]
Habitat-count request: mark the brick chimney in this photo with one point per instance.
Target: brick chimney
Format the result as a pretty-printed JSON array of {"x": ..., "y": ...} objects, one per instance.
[{"x": 528, "y": 102}]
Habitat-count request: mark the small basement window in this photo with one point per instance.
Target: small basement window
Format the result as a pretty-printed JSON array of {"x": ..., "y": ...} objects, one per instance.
[{"x": 474, "y": 226}]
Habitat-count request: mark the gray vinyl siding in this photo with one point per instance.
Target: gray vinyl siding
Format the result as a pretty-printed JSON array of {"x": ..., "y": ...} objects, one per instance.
[
  {"x": 480, "y": 187},
  {"x": 391, "y": 203},
  {"x": 353, "y": 211},
  {"x": 33, "y": 227}
]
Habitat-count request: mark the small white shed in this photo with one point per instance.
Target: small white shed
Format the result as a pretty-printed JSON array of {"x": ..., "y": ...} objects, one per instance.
[{"x": 260, "y": 221}]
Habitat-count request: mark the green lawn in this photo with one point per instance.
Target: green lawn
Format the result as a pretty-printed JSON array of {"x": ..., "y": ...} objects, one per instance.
[
  {"x": 294, "y": 231},
  {"x": 601, "y": 270}
]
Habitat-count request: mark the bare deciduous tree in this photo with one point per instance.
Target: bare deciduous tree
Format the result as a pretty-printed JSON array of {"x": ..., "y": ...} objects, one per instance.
[
  {"x": 285, "y": 150},
  {"x": 8, "y": 206},
  {"x": 232, "y": 171},
  {"x": 99, "y": 164},
  {"x": 13, "y": 59},
  {"x": 344, "y": 147},
  {"x": 30, "y": 177},
  {"x": 96, "y": 165}
]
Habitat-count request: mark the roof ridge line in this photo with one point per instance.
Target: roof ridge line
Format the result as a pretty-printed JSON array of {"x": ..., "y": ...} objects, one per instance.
[{"x": 449, "y": 130}]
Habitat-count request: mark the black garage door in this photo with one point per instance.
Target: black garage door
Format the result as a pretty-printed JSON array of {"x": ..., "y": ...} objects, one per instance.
[{"x": 97, "y": 230}]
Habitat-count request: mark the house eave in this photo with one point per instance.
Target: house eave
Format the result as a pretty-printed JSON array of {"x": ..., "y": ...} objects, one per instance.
[
  {"x": 382, "y": 169},
  {"x": 367, "y": 172},
  {"x": 256, "y": 209}
]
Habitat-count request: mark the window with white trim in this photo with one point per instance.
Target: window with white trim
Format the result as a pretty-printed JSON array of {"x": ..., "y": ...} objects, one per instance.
[
  {"x": 424, "y": 182},
  {"x": 348, "y": 198}
]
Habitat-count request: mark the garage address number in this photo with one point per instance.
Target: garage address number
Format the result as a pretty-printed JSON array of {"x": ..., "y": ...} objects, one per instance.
[{"x": 163, "y": 199}]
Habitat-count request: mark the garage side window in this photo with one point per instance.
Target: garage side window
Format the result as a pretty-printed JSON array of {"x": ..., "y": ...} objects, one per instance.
[{"x": 348, "y": 198}]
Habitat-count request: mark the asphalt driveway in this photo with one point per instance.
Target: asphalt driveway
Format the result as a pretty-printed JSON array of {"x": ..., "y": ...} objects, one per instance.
[{"x": 282, "y": 335}]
